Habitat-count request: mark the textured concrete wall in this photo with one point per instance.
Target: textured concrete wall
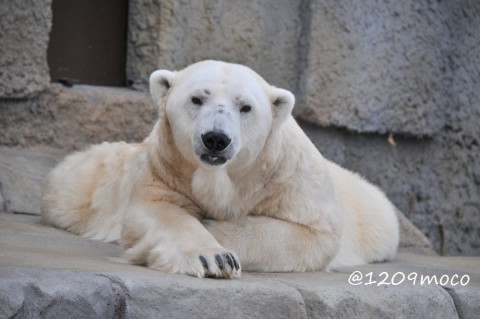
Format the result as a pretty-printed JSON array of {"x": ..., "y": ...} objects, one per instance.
[
  {"x": 388, "y": 66},
  {"x": 72, "y": 118},
  {"x": 172, "y": 34},
  {"x": 359, "y": 69},
  {"x": 24, "y": 28},
  {"x": 376, "y": 66}
]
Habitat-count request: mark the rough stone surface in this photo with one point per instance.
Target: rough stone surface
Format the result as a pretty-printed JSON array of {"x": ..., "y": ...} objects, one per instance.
[
  {"x": 45, "y": 272},
  {"x": 172, "y": 34},
  {"x": 58, "y": 294},
  {"x": 21, "y": 179},
  {"x": 73, "y": 118},
  {"x": 24, "y": 29},
  {"x": 411, "y": 238},
  {"x": 377, "y": 66},
  {"x": 329, "y": 296}
]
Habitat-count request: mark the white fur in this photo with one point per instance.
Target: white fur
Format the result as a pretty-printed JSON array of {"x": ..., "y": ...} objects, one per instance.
[{"x": 275, "y": 203}]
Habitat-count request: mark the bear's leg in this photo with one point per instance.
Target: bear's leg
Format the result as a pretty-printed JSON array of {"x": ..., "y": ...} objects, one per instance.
[
  {"x": 164, "y": 236},
  {"x": 272, "y": 245}
]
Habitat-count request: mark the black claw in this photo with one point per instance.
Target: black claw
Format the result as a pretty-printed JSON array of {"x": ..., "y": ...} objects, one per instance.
[
  {"x": 204, "y": 262},
  {"x": 230, "y": 260},
  {"x": 237, "y": 265},
  {"x": 220, "y": 262}
]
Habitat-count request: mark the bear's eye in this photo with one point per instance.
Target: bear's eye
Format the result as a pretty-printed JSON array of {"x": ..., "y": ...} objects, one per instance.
[
  {"x": 246, "y": 109},
  {"x": 197, "y": 100}
]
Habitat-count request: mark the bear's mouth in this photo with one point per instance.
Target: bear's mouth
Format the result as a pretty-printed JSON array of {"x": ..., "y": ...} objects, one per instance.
[{"x": 213, "y": 160}]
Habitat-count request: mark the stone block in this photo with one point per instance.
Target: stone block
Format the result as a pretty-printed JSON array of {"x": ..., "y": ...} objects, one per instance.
[
  {"x": 330, "y": 296},
  {"x": 171, "y": 34},
  {"x": 74, "y": 118},
  {"x": 24, "y": 34},
  {"x": 49, "y": 272},
  {"x": 21, "y": 179},
  {"x": 376, "y": 66},
  {"x": 33, "y": 293},
  {"x": 411, "y": 238}
]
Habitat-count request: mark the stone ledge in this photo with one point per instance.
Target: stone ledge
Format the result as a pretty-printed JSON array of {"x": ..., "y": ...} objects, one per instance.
[
  {"x": 21, "y": 179},
  {"x": 73, "y": 118},
  {"x": 45, "y": 272}
]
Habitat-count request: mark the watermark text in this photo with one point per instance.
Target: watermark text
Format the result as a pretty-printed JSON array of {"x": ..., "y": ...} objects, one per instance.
[{"x": 357, "y": 278}]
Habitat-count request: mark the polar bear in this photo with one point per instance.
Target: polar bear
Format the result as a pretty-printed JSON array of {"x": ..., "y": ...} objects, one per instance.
[{"x": 226, "y": 181}]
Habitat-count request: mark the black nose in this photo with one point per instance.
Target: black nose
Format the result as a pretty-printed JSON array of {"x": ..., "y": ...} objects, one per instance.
[{"x": 215, "y": 142}]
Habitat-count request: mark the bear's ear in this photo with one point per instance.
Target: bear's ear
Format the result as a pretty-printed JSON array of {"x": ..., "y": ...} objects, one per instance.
[
  {"x": 282, "y": 104},
  {"x": 160, "y": 82}
]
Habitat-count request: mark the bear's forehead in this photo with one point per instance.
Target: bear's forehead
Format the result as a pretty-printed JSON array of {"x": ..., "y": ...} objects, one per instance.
[
  {"x": 221, "y": 72},
  {"x": 224, "y": 77},
  {"x": 223, "y": 81}
]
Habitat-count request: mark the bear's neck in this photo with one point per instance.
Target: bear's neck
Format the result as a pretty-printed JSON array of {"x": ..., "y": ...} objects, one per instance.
[
  {"x": 228, "y": 193},
  {"x": 215, "y": 192},
  {"x": 165, "y": 161}
]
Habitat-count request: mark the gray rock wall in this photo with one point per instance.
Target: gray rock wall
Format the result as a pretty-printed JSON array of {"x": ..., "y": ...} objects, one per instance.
[
  {"x": 377, "y": 66},
  {"x": 72, "y": 118},
  {"x": 172, "y": 34},
  {"x": 24, "y": 28},
  {"x": 360, "y": 70}
]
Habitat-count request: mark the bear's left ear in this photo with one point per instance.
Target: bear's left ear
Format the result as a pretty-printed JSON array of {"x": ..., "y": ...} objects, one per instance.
[
  {"x": 282, "y": 104},
  {"x": 160, "y": 82}
]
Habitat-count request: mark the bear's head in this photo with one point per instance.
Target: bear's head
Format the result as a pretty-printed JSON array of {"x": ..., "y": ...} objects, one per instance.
[{"x": 219, "y": 113}]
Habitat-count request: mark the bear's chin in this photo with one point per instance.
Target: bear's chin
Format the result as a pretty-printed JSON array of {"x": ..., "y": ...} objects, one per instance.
[{"x": 213, "y": 160}]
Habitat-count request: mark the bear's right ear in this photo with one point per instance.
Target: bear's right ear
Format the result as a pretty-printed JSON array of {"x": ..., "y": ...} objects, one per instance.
[{"x": 160, "y": 82}]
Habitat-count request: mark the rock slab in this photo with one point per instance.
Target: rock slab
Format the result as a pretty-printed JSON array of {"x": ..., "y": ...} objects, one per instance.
[
  {"x": 45, "y": 272},
  {"x": 21, "y": 179},
  {"x": 24, "y": 34}
]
